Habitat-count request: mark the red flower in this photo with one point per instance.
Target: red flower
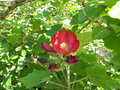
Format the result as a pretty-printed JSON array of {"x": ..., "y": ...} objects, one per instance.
[
  {"x": 52, "y": 66},
  {"x": 47, "y": 47},
  {"x": 65, "y": 42},
  {"x": 71, "y": 59}
]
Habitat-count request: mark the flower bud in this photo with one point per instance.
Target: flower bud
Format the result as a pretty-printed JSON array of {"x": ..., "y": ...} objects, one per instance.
[
  {"x": 71, "y": 59},
  {"x": 52, "y": 66},
  {"x": 46, "y": 47},
  {"x": 42, "y": 60}
]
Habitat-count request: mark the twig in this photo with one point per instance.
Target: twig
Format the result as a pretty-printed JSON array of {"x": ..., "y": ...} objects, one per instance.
[
  {"x": 58, "y": 84},
  {"x": 90, "y": 19},
  {"x": 74, "y": 80},
  {"x": 54, "y": 74},
  {"x": 85, "y": 26},
  {"x": 79, "y": 80},
  {"x": 13, "y": 5},
  {"x": 64, "y": 75},
  {"x": 43, "y": 67},
  {"x": 56, "y": 77}
]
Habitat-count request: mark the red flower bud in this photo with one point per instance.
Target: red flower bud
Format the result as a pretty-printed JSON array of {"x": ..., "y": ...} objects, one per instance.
[
  {"x": 47, "y": 47},
  {"x": 42, "y": 60},
  {"x": 71, "y": 59},
  {"x": 52, "y": 66},
  {"x": 65, "y": 42}
]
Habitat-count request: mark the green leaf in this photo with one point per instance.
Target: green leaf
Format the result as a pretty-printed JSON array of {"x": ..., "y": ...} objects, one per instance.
[
  {"x": 65, "y": 1},
  {"x": 58, "y": 18},
  {"x": 108, "y": 3},
  {"x": 88, "y": 57},
  {"x": 30, "y": 67},
  {"x": 3, "y": 48},
  {"x": 84, "y": 38},
  {"x": 116, "y": 56},
  {"x": 54, "y": 29},
  {"x": 87, "y": 60},
  {"x": 14, "y": 36},
  {"x": 79, "y": 68},
  {"x": 97, "y": 76},
  {"x": 80, "y": 16},
  {"x": 112, "y": 41},
  {"x": 18, "y": 48},
  {"x": 110, "y": 20},
  {"x": 21, "y": 63},
  {"x": 23, "y": 53},
  {"x": 7, "y": 82},
  {"x": 74, "y": 19},
  {"x": 14, "y": 57},
  {"x": 115, "y": 11},
  {"x": 74, "y": 28},
  {"x": 115, "y": 27},
  {"x": 91, "y": 11},
  {"x": 34, "y": 78},
  {"x": 46, "y": 13},
  {"x": 100, "y": 32}
]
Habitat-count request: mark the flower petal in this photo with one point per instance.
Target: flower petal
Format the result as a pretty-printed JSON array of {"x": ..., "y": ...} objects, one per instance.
[
  {"x": 76, "y": 46},
  {"x": 64, "y": 42}
]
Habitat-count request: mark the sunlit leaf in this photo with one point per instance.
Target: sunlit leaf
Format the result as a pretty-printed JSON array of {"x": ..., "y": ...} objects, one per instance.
[{"x": 115, "y": 11}]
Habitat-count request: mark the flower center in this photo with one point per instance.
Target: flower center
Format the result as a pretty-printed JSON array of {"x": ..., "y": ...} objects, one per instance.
[{"x": 64, "y": 46}]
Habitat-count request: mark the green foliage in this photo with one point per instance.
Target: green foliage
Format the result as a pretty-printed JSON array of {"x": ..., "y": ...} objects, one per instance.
[
  {"x": 27, "y": 26},
  {"x": 80, "y": 16},
  {"x": 54, "y": 29},
  {"x": 7, "y": 82},
  {"x": 115, "y": 27},
  {"x": 114, "y": 38},
  {"x": 89, "y": 66},
  {"x": 116, "y": 56},
  {"x": 110, "y": 21},
  {"x": 98, "y": 76},
  {"x": 3, "y": 48},
  {"x": 87, "y": 60},
  {"x": 108, "y": 3},
  {"x": 34, "y": 78},
  {"x": 95, "y": 9},
  {"x": 100, "y": 32},
  {"x": 14, "y": 36}
]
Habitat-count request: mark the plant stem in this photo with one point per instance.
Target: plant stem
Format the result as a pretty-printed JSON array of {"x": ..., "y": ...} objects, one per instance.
[
  {"x": 68, "y": 77},
  {"x": 58, "y": 84},
  {"x": 79, "y": 80},
  {"x": 56, "y": 77},
  {"x": 64, "y": 75},
  {"x": 44, "y": 67},
  {"x": 54, "y": 74},
  {"x": 74, "y": 80}
]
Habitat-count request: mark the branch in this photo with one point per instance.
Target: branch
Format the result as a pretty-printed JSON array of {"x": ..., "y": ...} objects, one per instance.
[
  {"x": 90, "y": 19},
  {"x": 3, "y": 5},
  {"x": 13, "y": 5},
  {"x": 58, "y": 84},
  {"x": 85, "y": 26}
]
